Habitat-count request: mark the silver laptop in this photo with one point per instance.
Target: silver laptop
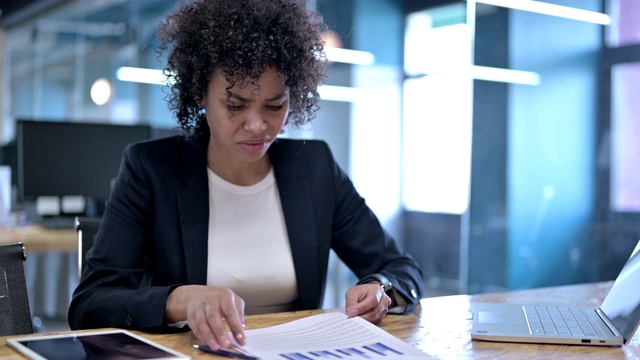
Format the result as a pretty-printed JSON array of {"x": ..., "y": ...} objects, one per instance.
[{"x": 613, "y": 323}]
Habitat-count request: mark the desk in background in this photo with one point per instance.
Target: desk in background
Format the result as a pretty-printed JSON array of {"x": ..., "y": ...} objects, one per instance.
[
  {"x": 40, "y": 240},
  {"x": 441, "y": 328}
]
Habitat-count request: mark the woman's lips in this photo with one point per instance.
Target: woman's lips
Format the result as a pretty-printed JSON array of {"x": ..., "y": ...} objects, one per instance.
[{"x": 254, "y": 146}]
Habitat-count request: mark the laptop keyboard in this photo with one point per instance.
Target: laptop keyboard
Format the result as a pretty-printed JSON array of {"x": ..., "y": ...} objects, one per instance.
[{"x": 563, "y": 321}]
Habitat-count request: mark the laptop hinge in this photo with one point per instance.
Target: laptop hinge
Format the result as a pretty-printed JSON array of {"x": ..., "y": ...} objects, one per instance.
[{"x": 608, "y": 322}]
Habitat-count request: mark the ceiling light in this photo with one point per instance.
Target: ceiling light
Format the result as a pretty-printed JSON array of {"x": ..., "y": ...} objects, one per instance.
[
  {"x": 100, "y": 91},
  {"x": 505, "y": 75},
  {"x": 141, "y": 75},
  {"x": 485, "y": 73},
  {"x": 341, "y": 93},
  {"x": 349, "y": 56},
  {"x": 551, "y": 9}
]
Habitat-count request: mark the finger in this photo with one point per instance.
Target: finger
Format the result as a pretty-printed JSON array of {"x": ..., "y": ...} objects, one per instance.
[
  {"x": 198, "y": 323},
  {"x": 351, "y": 302},
  {"x": 361, "y": 308},
  {"x": 235, "y": 319},
  {"x": 218, "y": 328},
  {"x": 375, "y": 315},
  {"x": 364, "y": 302}
]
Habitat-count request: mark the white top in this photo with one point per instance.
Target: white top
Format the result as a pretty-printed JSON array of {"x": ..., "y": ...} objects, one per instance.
[{"x": 249, "y": 250}]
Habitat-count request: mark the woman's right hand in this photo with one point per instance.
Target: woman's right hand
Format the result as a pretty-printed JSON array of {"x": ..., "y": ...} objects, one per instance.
[{"x": 206, "y": 309}]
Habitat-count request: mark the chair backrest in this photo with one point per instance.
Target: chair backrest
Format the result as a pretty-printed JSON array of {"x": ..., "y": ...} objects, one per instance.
[
  {"x": 15, "y": 313},
  {"x": 87, "y": 230}
]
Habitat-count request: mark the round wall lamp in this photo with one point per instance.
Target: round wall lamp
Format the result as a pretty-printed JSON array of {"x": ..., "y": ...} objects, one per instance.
[{"x": 101, "y": 91}]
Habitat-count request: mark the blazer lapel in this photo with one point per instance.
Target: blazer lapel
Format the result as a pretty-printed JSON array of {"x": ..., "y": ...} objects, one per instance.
[
  {"x": 295, "y": 195},
  {"x": 193, "y": 207}
]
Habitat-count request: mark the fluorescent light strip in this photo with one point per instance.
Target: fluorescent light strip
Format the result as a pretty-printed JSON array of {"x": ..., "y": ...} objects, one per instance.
[
  {"x": 155, "y": 77},
  {"x": 141, "y": 75},
  {"x": 489, "y": 74},
  {"x": 551, "y": 9},
  {"x": 505, "y": 75},
  {"x": 349, "y": 56},
  {"x": 341, "y": 93}
]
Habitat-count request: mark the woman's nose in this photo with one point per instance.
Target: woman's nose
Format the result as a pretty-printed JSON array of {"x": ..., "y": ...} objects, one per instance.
[{"x": 255, "y": 124}]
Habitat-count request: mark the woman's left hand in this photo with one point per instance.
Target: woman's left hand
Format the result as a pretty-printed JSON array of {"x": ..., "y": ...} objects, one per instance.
[{"x": 368, "y": 301}]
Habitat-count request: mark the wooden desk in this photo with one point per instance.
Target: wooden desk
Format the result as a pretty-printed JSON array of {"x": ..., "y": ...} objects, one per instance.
[
  {"x": 440, "y": 327},
  {"x": 39, "y": 239}
]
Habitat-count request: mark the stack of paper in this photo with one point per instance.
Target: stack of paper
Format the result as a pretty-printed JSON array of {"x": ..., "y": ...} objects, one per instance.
[{"x": 328, "y": 336}]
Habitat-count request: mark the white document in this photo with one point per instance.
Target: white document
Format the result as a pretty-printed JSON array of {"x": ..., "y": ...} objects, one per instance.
[{"x": 327, "y": 336}]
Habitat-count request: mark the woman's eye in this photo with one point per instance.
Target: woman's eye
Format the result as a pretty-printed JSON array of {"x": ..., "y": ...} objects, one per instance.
[
  {"x": 274, "y": 107},
  {"x": 234, "y": 107}
]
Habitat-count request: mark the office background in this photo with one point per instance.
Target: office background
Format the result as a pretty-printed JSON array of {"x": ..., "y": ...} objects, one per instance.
[{"x": 493, "y": 179}]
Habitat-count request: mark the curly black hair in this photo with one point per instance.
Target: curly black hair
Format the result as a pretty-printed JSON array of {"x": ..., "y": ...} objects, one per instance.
[{"x": 240, "y": 39}]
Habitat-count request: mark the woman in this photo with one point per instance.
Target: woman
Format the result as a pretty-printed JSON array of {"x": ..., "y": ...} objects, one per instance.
[{"x": 231, "y": 220}]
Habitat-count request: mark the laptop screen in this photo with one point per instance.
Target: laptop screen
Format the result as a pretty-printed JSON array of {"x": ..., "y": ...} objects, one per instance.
[{"x": 622, "y": 303}]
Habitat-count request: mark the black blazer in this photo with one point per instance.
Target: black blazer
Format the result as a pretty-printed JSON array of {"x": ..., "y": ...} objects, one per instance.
[{"x": 154, "y": 231}]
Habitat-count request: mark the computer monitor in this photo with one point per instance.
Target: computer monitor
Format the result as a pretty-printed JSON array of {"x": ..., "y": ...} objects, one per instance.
[{"x": 71, "y": 159}]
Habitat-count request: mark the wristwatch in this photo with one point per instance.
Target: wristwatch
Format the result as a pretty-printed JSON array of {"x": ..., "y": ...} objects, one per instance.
[{"x": 384, "y": 282}]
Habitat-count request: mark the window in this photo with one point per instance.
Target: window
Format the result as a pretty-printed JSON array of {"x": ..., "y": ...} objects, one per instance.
[
  {"x": 625, "y": 132},
  {"x": 625, "y": 25},
  {"x": 437, "y": 111},
  {"x": 621, "y": 112}
]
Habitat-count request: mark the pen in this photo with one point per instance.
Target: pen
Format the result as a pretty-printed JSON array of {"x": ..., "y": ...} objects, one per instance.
[{"x": 224, "y": 353}]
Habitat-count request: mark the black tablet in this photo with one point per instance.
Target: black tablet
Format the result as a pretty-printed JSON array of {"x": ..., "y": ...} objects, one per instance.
[{"x": 112, "y": 344}]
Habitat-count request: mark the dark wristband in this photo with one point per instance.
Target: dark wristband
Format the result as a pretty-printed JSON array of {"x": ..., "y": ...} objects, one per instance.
[{"x": 384, "y": 282}]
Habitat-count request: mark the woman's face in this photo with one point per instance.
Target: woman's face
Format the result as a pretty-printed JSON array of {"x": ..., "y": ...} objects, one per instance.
[{"x": 244, "y": 125}]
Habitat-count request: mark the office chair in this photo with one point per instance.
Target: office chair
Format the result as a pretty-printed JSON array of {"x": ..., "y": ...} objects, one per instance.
[
  {"x": 87, "y": 229},
  {"x": 15, "y": 313}
]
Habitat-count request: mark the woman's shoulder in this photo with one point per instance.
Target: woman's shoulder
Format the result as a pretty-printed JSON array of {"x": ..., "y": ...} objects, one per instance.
[
  {"x": 307, "y": 156},
  {"x": 166, "y": 150},
  {"x": 300, "y": 147},
  {"x": 161, "y": 145},
  {"x": 159, "y": 142}
]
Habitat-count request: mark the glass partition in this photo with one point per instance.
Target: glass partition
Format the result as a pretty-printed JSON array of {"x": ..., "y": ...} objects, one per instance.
[
  {"x": 625, "y": 132},
  {"x": 529, "y": 215},
  {"x": 625, "y": 27}
]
